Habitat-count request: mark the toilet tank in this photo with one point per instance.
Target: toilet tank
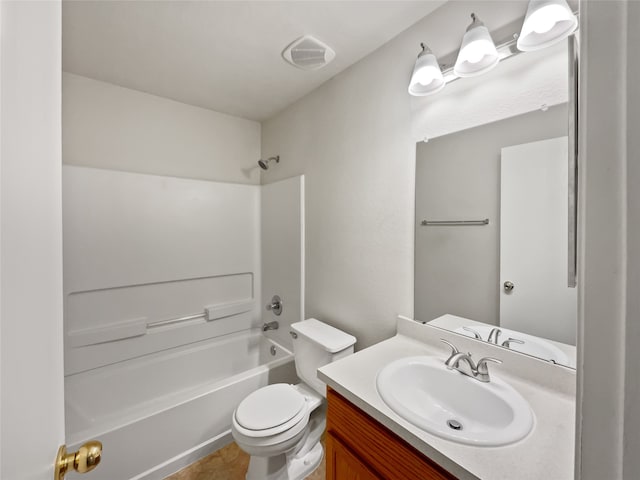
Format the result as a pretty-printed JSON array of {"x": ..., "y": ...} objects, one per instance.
[{"x": 316, "y": 344}]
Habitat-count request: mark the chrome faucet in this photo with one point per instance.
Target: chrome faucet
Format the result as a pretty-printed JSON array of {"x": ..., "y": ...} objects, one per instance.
[
  {"x": 270, "y": 326},
  {"x": 463, "y": 363},
  {"x": 493, "y": 335}
]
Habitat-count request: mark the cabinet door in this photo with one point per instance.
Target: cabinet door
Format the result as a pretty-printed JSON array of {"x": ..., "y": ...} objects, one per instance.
[
  {"x": 358, "y": 447},
  {"x": 344, "y": 465}
]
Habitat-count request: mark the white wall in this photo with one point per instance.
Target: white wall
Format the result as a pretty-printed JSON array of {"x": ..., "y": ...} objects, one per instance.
[
  {"x": 107, "y": 126},
  {"x": 282, "y": 245},
  {"x": 354, "y": 139},
  {"x": 351, "y": 140},
  {"x": 31, "y": 415}
]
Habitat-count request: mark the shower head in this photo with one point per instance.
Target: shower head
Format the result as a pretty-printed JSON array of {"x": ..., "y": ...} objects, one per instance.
[{"x": 264, "y": 164}]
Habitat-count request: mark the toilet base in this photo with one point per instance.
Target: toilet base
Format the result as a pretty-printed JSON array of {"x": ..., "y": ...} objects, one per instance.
[
  {"x": 285, "y": 467},
  {"x": 299, "y": 468}
]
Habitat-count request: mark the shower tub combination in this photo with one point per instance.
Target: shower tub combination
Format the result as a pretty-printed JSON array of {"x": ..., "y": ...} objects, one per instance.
[
  {"x": 160, "y": 412},
  {"x": 163, "y": 288}
]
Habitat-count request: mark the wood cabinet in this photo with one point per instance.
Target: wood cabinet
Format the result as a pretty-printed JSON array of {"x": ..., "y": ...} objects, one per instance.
[
  {"x": 345, "y": 465},
  {"x": 360, "y": 448}
]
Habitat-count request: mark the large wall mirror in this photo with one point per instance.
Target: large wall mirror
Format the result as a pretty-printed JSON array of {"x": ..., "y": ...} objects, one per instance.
[{"x": 495, "y": 210}]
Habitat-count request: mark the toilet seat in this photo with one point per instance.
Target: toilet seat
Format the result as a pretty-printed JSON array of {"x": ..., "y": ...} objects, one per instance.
[
  {"x": 270, "y": 410},
  {"x": 272, "y": 444}
]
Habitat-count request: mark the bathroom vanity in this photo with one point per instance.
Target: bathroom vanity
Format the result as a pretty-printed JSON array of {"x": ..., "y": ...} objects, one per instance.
[
  {"x": 359, "y": 447},
  {"x": 367, "y": 439}
]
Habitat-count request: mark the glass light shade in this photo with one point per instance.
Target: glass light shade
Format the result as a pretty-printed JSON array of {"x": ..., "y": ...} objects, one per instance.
[
  {"x": 547, "y": 22},
  {"x": 427, "y": 77},
  {"x": 478, "y": 53}
]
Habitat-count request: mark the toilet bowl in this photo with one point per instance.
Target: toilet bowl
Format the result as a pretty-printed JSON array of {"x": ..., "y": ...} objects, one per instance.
[{"x": 280, "y": 425}]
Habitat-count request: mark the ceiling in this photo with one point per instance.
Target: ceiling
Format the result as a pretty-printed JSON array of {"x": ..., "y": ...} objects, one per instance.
[{"x": 224, "y": 55}]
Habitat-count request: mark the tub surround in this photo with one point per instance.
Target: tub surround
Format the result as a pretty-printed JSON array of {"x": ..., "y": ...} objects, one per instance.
[
  {"x": 547, "y": 452},
  {"x": 163, "y": 305},
  {"x": 142, "y": 264}
]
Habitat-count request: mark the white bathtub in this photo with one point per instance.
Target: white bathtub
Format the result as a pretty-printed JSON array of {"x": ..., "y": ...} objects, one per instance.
[{"x": 156, "y": 414}]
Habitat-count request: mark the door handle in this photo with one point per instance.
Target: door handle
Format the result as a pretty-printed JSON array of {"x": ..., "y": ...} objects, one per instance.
[
  {"x": 84, "y": 460},
  {"x": 508, "y": 286}
]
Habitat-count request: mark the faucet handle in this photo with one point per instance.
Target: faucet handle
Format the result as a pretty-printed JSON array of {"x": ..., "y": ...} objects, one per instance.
[
  {"x": 481, "y": 366},
  {"x": 507, "y": 343},
  {"x": 275, "y": 306},
  {"x": 475, "y": 332},
  {"x": 454, "y": 349}
]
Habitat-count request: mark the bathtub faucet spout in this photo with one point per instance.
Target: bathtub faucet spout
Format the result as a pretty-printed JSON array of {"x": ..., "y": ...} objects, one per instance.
[{"x": 270, "y": 326}]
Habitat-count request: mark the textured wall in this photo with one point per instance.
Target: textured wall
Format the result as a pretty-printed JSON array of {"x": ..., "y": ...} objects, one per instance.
[{"x": 350, "y": 139}]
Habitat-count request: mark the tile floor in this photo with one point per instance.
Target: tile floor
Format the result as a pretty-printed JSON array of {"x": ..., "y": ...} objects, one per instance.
[{"x": 228, "y": 463}]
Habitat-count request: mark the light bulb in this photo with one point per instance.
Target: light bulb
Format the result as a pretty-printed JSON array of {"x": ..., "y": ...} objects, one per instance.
[
  {"x": 543, "y": 25},
  {"x": 546, "y": 18},
  {"x": 474, "y": 53},
  {"x": 426, "y": 75}
]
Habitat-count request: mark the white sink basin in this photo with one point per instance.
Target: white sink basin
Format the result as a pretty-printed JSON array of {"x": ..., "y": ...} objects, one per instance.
[
  {"x": 425, "y": 393},
  {"x": 536, "y": 346}
]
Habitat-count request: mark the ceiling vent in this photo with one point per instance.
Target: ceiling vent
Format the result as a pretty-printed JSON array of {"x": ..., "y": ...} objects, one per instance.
[{"x": 308, "y": 53}]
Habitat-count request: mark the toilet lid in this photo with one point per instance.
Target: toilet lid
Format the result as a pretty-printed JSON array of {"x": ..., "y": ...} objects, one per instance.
[{"x": 269, "y": 407}]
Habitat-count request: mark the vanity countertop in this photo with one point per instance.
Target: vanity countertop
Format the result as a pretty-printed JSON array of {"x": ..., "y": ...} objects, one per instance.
[{"x": 546, "y": 453}]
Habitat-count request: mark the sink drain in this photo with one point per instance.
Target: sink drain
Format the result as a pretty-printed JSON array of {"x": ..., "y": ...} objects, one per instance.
[{"x": 454, "y": 424}]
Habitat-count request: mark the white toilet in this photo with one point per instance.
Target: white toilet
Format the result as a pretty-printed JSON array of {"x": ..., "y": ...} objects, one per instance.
[{"x": 280, "y": 425}]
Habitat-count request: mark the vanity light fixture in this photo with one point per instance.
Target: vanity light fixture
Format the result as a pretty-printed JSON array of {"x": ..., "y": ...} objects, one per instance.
[
  {"x": 547, "y": 22},
  {"x": 426, "y": 78},
  {"x": 478, "y": 53}
]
